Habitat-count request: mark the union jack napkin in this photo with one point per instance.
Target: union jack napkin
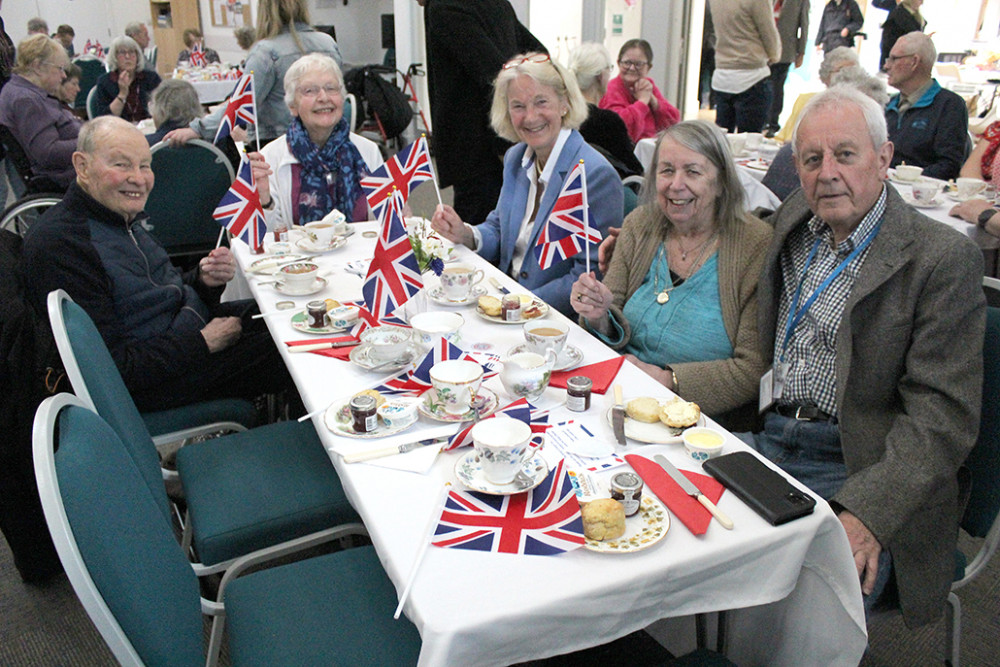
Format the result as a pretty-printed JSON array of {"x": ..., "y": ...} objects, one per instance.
[
  {"x": 418, "y": 380},
  {"x": 538, "y": 420}
]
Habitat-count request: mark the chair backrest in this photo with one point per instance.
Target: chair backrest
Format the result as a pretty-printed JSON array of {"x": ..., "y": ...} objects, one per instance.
[
  {"x": 91, "y": 69},
  {"x": 151, "y": 54},
  {"x": 189, "y": 182},
  {"x": 124, "y": 564},
  {"x": 92, "y": 103},
  {"x": 98, "y": 384},
  {"x": 991, "y": 288},
  {"x": 984, "y": 460},
  {"x": 351, "y": 110},
  {"x": 15, "y": 152},
  {"x": 632, "y": 189}
]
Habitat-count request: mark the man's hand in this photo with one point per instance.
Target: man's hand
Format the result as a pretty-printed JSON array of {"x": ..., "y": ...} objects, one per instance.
[
  {"x": 607, "y": 248},
  {"x": 221, "y": 332},
  {"x": 969, "y": 210},
  {"x": 798, "y": 60},
  {"x": 865, "y": 549},
  {"x": 844, "y": 32},
  {"x": 218, "y": 268}
]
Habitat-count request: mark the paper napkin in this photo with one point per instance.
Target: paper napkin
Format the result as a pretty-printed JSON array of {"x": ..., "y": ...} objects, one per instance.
[
  {"x": 602, "y": 374},
  {"x": 335, "y": 352},
  {"x": 686, "y": 508}
]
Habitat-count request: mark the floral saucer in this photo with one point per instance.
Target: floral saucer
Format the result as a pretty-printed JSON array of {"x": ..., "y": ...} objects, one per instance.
[
  {"x": 469, "y": 471},
  {"x": 361, "y": 356},
  {"x": 570, "y": 357},
  {"x": 437, "y": 295},
  {"x": 642, "y": 530},
  {"x": 318, "y": 285},
  {"x": 300, "y": 322},
  {"x": 269, "y": 265},
  {"x": 309, "y": 245},
  {"x": 339, "y": 420},
  {"x": 429, "y": 407}
]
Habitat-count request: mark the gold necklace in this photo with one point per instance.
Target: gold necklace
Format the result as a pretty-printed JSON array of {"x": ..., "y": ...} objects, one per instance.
[{"x": 663, "y": 295}]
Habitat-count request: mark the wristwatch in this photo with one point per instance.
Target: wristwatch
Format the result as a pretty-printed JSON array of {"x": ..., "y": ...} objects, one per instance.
[{"x": 985, "y": 217}]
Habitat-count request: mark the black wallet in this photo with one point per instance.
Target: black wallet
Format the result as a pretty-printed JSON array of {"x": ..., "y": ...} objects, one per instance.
[{"x": 765, "y": 491}]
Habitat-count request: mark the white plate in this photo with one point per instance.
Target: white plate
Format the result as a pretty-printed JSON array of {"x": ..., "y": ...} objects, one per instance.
[
  {"x": 954, "y": 196},
  {"x": 338, "y": 419},
  {"x": 428, "y": 408},
  {"x": 543, "y": 309},
  {"x": 570, "y": 357},
  {"x": 657, "y": 434},
  {"x": 469, "y": 471},
  {"x": 306, "y": 243},
  {"x": 642, "y": 530},
  {"x": 934, "y": 203},
  {"x": 300, "y": 322},
  {"x": 759, "y": 165},
  {"x": 896, "y": 179},
  {"x": 269, "y": 265},
  {"x": 361, "y": 356},
  {"x": 437, "y": 296},
  {"x": 318, "y": 286}
]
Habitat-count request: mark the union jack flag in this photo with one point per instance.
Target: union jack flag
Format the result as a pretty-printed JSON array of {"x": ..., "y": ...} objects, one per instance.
[
  {"x": 543, "y": 522},
  {"x": 520, "y": 409},
  {"x": 416, "y": 381},
  {"x": 567, "y": 230},
  {"x": 240, "y": 212},
  {"x": 394, "y": 275},
  {"x": 403, "y": 171},
  {"x": 198, "y": 55},
  {"x": 94, "y": 48},
  {"x": 239, "y": 108}
]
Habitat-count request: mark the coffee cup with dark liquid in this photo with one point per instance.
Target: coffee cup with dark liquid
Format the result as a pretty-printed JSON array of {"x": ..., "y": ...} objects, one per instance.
[{"x": 547, "y": 334}]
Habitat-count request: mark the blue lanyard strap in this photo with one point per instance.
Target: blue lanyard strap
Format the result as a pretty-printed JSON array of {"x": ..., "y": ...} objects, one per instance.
[{"x": 795, "y": 314}]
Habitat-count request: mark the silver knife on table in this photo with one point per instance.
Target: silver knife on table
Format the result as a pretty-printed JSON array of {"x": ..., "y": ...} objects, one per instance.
[
  {"x": 618, "y": 417},
  {"x": 689, "y": 488},
  {"x": 498, "y": 286},
  {"x": 390, "y": 451}
]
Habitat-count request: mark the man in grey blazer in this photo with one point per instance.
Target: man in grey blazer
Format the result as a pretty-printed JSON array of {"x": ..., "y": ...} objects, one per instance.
[{"x": 874, "y": 391}]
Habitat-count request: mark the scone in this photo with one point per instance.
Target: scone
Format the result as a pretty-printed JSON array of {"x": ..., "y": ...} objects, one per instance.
[
  {"x": 490, "y": 305},
  {"x": 679, "y": 413},
  {"x": 644, "y": 409},
  {"x": 331, "y": 304},
  {"x": 379, "y": 398},
  {"x": 603, "y": 519}
]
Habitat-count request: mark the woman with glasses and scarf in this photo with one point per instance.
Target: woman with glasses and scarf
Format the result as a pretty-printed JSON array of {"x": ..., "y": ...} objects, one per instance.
[
  {"x": 317, "y": 165},
  {"x": 125, "y": 90},
  {"x": 633, "y": 95},
  {"x": 30, "y": 109}
]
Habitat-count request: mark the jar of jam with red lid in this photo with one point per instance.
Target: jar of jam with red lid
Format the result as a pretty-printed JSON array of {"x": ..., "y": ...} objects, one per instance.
[
  {"x": 510, "y": 308},
  {"x": 578, "y": 390},
  {"x": 363, "y": 413}
]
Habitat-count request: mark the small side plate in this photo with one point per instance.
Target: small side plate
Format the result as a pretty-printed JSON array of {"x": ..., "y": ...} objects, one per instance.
[
  {"x": 642, "y": 530},
  {"x": 469, "y": 471}
]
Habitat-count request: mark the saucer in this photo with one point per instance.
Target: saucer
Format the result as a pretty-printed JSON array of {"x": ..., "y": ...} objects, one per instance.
[
  {"x": 437, "y": 296},
  {"x": 933, "y": 203},
  {"x": 570, "y": 357},
  {"x": 300, "y": 322},
  {"x": 758, "y": 164},
  {"x": 469, "y": 471},
  {"x": 428, "y": 408},
  {"x": 318, "y": 285},
  {"x": 306, "y": 243},
  {"x": 954, "y": 196},
  {"x": 361, "y": 356},
  {"x": 269, "y": 265},
  {"x": 338, "y": 419},
  {"x": 896, "y": 179}
]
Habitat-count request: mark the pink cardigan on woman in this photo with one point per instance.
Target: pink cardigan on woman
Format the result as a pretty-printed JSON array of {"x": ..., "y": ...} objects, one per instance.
[{"x": 641, "y": 121}]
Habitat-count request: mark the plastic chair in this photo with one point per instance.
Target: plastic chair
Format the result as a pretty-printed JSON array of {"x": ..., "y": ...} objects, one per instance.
[
  {"x": 92, "y": 103},
  {"x": 137, "y": 588},
  {"x": 32, "y": 184},
  {"x": 991, "y": 288},
  {"x": 244, "y": 491},
  {"x": 190, "y": 181},
  {"x": 351, "y": 110},
  {"x": 632, "y": 187},
  {"x": 91, "y": 69},
  {"x": 151, "y": 54}
]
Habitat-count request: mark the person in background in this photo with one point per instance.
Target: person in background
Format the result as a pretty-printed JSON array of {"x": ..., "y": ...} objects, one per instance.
[
  {"x": 283, "y": 36},
  {"x": 70, "y": 87},
  {"x": 38, "y": 26},
  {"x": 468, "y": 42},
  {"x": 834, "y": 61},
  {"x": 842, "y": 19},
  {"x": 245, "y": 37},
  {"x": 538, "y": 102},
  {"x": 904, "y": 18},
  {"x": 928, "y": 125},
  {"x": 8, "y": 175},
  {"x": 124, "y": 91},
  {"x": 633, "y": 95},
  {"x": 140, "y": 33},
  {"x": 318, "y": 164},
  {"x": 680, "y": 295},
  {"x": 792, "y": 19},
  {"x": 747, "y": 41},
  {"x": 173, "y": 104},
  {"x": 191, "y": 37},
  {"x": 31, "y": 110},
  {"x": 604, "y": 129},
  {"x": 64, "y": 35}
]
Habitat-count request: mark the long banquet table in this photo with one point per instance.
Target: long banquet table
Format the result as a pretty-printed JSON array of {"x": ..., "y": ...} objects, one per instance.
[{"x": 794, "y": 587}]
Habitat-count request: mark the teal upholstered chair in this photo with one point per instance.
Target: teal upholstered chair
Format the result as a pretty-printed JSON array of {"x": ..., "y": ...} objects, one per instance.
[
  {"x": 632, "y": 187},
  {"x": 190, "y": 181},
  {"x": 245, "y": 491},
  {"x": 137, "y": 587},
  {"x": 91, "y": 69}
]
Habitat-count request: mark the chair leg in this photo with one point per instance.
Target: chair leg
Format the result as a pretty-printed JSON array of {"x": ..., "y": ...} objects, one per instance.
[
  {"x": 720, "y": 632},
  {"x": 701, "y": 630},
  {"x": 953, "y": 631}
]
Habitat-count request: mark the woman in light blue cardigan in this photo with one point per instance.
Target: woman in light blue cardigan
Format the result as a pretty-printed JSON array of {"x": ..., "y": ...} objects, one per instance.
[{"x": 536, "y": 102}]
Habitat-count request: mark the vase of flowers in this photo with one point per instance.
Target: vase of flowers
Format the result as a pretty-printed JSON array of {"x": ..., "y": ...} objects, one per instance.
[{"x": 428, "y": 247}]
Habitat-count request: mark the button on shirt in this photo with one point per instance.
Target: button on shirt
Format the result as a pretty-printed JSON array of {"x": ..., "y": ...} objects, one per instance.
[{"x": 811, "y": 352}]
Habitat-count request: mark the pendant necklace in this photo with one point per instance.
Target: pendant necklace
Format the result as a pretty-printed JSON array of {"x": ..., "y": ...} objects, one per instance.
[{"x": 663, "y": 295}]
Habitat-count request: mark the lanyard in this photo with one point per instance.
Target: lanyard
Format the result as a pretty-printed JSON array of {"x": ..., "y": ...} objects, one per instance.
[{"x": 795, "y": 314}]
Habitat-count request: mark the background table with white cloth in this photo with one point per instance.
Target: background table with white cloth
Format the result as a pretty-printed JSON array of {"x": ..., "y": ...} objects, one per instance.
[{"x": 479, "y": 608}]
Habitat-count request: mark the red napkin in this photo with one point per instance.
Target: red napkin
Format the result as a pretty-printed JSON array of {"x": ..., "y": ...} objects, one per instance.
[
  {"x": 602, "y": 373},
  {"x": 686, "y": 508},
  {"x": 335, "y": 352}
]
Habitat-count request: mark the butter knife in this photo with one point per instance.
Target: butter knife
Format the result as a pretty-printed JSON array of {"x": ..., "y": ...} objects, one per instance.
[
  {"x": 618, "y": 417},
  {"x": 321, "y": 346},
  {"x": 498, "y": 286},
  {"x": 689, "y": 488},
  {"x": 390, "y": 451}
]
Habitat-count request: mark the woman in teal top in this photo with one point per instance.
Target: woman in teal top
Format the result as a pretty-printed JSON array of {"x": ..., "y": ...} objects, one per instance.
[{"x": 680, "y": 294}]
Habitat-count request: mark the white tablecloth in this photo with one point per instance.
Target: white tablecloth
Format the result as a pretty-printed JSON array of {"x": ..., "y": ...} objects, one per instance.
[
  {"x": 983, "y": 239},
  {"x": 212, "y": 91},
  {"x": 475, "y": 608}
]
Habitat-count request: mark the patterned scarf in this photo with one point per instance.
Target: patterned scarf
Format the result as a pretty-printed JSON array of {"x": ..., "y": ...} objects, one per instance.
[{"x": 331, "y": 175}]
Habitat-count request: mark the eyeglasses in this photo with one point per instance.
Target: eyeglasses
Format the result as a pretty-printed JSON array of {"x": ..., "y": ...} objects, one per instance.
[
  {"x": 633, "y": 64},
  {"x": 892, "y": 59},
  {"x": 63, "y": 68},
  {"x": 313, "y": 91},
  {"x": 533, "y": 58}
]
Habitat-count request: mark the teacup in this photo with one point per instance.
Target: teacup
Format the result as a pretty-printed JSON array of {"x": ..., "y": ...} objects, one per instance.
[
  {"x": 431, "y": 326},
  {"x": 458, "y": 280},
  {"x": 767, "y": 150},
  {"x": 737, "y": 142},
  {"x": 321, "y": 233},
  {"x": 386, "y": 343},
  {"x": 926, "y": 189},
  {"x": 300, "y": 275},
  {"x": 969, "y": 187},
  {"x": 547, "y": 334},
  {"x": 502, "y": 445},
  {"x": 456, "y": 383},
  {"x": 908, "y": 172},
  {"x": 753, "y": 140},
  {"x": 336, "y": 219}
]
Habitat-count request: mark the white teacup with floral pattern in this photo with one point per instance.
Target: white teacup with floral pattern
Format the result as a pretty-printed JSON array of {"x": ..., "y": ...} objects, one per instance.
[
  {"x": 428, "y": 327},
  {"x": 502, "y": 445},
  {"x": 458, "y": 280},
  {"x": 456, "y": 383}
]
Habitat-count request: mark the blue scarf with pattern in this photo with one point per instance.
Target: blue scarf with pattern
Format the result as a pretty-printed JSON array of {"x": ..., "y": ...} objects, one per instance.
[{"x": 330, "y": 176}]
